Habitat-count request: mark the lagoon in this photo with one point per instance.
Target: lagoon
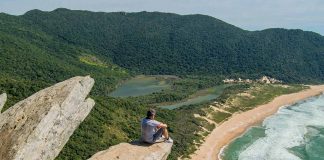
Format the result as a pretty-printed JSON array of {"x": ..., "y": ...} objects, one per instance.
[
  {"x": 199, "y": 97},
  {"x": 140, "y": 86}
]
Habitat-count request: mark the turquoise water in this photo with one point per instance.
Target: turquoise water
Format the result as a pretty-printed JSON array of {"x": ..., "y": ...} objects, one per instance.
[
  {"x": 294, "y": 133},
  {"x": 216, "y": 92},
  {"x": 140, "y": 86}
]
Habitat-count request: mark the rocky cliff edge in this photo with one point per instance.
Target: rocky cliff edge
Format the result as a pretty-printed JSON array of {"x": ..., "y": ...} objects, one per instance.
[
  {"x": 135, "y": 151},
  {"x": 39, "y": 126}
]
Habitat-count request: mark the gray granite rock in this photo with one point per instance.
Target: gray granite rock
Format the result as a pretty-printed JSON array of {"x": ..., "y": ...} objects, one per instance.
[
  {"x": 38, "y": 127},
  {"x": 135, "y": 151}
]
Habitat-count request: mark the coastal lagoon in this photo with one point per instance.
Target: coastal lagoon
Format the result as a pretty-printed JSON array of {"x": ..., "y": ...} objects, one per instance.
[
  {"x": 295, "y": 132},
  {"x": 197, "y": 98},
  {"x": 141, "y": 85}
]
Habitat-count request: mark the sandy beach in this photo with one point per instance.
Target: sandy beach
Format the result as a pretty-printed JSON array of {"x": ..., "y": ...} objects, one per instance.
[{"x": 239, "y": 123}]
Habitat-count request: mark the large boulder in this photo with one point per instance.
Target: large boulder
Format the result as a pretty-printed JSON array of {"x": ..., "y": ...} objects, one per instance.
[
  {"x": 135, "y": 151},
  {"x": 3, "y": 99},
  {"x": 38, "y": 127}
]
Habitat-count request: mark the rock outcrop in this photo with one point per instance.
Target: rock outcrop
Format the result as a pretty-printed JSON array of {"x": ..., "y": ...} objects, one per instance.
[
  {"x": 3, "y": 99},
  {"x": 39, "y": 126},
  {"x": 135, "y": 151}
]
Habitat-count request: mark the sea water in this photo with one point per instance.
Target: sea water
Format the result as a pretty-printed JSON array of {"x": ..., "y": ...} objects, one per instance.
[{"x": 295, "y": 132}]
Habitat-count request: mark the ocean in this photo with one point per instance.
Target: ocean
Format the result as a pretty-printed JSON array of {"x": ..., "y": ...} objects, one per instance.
[{"x": 295, "y": 132}]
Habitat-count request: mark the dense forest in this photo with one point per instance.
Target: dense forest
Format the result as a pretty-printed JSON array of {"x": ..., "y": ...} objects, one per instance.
[
  {"x": 39, "y": 49},
  {"x": 163, "y": 43}
]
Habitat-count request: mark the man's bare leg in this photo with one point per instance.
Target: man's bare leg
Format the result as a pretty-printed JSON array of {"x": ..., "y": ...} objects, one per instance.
[{"x": 165, "y": 133}]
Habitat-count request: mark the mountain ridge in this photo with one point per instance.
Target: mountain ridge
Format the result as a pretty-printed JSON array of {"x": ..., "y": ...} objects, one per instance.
[
  {"x": 39, "y": 49},
  {"x": 165, "y": 43}
]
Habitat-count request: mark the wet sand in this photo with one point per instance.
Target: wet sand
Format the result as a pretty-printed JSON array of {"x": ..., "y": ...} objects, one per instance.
[{"x": 239, "y": 123}]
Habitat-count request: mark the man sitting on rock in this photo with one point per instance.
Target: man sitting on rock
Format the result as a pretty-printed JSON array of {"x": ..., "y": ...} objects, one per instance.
[{"x": 152, "y": 130}]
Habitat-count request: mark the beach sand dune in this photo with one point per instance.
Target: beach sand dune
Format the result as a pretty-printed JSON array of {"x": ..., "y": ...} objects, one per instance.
[{"x": 239, "y": 123}]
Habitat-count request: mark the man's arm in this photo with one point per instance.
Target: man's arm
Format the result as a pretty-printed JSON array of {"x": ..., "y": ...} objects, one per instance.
[{"x": 162, "y": 125}]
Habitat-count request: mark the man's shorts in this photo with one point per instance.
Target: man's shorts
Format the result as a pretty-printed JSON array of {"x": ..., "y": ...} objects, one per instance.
[{"x": 157, "y": 134}]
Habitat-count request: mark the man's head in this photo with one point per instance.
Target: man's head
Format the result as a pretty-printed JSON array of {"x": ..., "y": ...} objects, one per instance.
[{"x": 151, "y": 114}]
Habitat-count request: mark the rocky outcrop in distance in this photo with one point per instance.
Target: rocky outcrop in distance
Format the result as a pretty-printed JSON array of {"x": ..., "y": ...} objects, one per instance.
[
  {"x": 3, "y": 99},
  {"x": 38, "y": 127},
  {"x": 135, "y": 151}
]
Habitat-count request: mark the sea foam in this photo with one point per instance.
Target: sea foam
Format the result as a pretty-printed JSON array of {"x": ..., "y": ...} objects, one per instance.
[{"x": 285, "y": 130}]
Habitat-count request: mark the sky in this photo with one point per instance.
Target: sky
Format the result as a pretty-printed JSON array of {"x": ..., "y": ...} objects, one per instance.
[{"x": 247, "y": 14}]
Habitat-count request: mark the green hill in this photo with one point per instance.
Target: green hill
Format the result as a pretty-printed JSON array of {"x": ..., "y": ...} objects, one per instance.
[
  {"x": 40, "y": 48},
  {"x": 163, "y": 43},
  {"x": 32, "y": 59}
]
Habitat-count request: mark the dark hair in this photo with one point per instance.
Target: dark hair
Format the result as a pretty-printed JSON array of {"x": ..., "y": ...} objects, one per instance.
[{"x": 150, "y": 113}]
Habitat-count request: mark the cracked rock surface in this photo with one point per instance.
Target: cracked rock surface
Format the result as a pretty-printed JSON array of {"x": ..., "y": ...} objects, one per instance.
[{"x": 39, "y": 126}]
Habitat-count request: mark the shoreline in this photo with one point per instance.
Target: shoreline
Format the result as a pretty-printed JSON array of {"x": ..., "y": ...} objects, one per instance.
[
  {"x": 226, "y": 132},
  {"x": 254, "y": 125},
  {"x": 222, "y": 150}
]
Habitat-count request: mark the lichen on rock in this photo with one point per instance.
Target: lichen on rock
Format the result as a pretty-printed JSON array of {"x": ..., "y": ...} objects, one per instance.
[{"x": 39, "y": 126}]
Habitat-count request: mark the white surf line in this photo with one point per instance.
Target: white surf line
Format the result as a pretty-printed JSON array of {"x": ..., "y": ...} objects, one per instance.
[
  {"x": 231, "y": 128},
  {"x": 219, "y": 156}
]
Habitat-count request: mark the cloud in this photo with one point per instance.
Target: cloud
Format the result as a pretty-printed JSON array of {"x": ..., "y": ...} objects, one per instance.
[{"x": 248, "y": 14}]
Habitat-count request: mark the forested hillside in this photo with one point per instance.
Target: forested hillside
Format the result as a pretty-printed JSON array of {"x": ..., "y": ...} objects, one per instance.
[
  {"x": 31, "y": 59},
  {"x": 39, "y": 48},
  {"x": 163, "y": 43}
]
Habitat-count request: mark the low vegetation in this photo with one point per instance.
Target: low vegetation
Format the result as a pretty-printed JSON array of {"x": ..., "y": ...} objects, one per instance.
[
  {"x": 115, "y": 120},
  {"x": 92, "y": 60},
  {"x": 246, "y": 96}
]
